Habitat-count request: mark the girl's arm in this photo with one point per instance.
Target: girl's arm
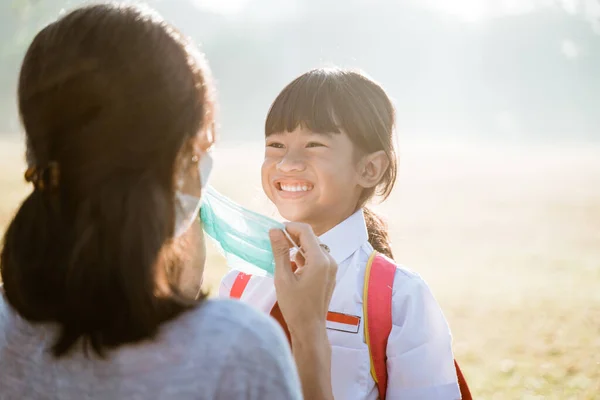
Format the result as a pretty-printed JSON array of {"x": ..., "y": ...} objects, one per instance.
[{"x": 420, "y": 359}]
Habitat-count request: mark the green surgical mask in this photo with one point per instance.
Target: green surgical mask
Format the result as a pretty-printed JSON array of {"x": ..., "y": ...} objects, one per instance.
[{"x": 241, "y": 235}]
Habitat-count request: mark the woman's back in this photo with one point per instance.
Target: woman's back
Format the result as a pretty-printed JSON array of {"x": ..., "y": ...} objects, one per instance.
[{"x": 220, "y": 350}]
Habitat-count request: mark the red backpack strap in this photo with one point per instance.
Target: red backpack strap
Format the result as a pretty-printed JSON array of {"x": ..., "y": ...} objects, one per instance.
[
  {"x": 377, "y": 311},
  {"x": 465, "y": 393},
  {"x": 239, "y": 285}
]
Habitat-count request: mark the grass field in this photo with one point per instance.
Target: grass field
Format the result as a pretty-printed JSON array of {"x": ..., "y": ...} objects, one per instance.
[{"x": 507, "y": 237}]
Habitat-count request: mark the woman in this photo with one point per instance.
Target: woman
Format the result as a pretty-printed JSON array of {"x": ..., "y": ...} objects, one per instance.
[{"x": 118, "y": 115}]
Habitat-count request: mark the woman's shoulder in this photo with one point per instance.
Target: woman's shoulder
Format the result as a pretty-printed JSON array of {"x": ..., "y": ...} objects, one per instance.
[
  {"x": 226, "y": 324},
  {"x": 232, "y": 336},
  {"x": 227, "y": 340},
  {"x": 230, "y": 316}
]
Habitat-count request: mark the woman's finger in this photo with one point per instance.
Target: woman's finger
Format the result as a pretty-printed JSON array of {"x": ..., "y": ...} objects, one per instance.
[
  {"x": 305, "y": 236},
  {"x": 281, "y": 253},
  {"x": 299, "y": 259}
]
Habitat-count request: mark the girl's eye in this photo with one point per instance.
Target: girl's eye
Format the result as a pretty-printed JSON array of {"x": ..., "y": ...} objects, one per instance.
[
  {"x": 275, "y": 145},
  {"x": 315, "y": 144}
]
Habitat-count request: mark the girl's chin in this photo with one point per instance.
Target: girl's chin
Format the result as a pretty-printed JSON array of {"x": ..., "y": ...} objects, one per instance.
[{"x": 298, "y": 213}]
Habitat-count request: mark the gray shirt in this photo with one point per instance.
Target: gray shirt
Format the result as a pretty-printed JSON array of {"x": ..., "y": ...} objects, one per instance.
[{"x": 221, "y": 350}]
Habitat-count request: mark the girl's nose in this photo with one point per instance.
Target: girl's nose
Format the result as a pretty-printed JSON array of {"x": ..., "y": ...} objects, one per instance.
[{"x": 291, "y": 163}]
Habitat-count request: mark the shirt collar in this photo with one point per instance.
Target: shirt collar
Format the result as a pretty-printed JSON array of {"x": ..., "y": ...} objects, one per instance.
[{"x": 346, "y": 237}]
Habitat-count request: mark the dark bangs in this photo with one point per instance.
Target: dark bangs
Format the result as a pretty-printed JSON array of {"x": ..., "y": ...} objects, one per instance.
[
  {"x": 309, "y": 102},
  {"x": 331, "y": 101}
]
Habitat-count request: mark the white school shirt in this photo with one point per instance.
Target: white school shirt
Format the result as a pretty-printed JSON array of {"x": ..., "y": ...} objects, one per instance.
[{"x": 420, "y": 361}]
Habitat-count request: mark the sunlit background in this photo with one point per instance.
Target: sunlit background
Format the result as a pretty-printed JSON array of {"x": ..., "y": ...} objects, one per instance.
[{"x": 498, "y": 200}]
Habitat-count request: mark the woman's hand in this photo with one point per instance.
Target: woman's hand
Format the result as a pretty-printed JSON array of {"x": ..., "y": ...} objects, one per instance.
[{"x": 303, "y": 296}]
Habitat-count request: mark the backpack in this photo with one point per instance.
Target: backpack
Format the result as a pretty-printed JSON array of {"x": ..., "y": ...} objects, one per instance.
[{"x": 377, "y": 311}]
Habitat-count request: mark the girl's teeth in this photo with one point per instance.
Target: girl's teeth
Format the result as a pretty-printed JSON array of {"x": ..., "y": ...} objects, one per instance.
[{"x": 303, "y": 188}]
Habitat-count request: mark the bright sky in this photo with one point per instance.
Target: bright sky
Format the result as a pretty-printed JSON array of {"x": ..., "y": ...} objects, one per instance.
[
  {"x": 479, "y": 10},
  {"x": 222, "y": 6},
  {"x": 467, "y": 10}
]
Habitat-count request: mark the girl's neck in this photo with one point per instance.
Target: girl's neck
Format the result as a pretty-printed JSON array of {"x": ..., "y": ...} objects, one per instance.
[{"x": 323, "y": 225}]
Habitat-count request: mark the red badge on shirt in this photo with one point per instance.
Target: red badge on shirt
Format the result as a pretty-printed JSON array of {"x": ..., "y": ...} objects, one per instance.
[{"x": 342, "y": 322}]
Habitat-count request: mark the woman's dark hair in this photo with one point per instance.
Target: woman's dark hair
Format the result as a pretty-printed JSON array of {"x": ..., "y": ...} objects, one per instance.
[
  {"x": 112, "y": 98},
  {"x": 334, "y": 100}
]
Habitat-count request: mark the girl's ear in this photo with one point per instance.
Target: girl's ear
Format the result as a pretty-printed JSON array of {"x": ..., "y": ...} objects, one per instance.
[{"x": 372, "y": 168}]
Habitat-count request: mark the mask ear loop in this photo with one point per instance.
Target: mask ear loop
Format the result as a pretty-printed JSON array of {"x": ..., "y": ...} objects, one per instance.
[
  {"x": 298, "y": 248},
  {"x": 205, "y": 166}
]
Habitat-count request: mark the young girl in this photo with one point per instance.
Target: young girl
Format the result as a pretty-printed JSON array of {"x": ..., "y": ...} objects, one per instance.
[{"x": 329, "y": 150}]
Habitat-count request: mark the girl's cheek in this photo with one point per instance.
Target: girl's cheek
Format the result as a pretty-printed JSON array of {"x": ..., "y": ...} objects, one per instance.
[{"x": 325, "y": 162}]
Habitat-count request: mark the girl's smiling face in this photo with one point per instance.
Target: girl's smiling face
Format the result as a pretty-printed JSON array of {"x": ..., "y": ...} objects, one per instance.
[
  {"x": 329, "y": 147},
  {"x": 312, "y": 177}
]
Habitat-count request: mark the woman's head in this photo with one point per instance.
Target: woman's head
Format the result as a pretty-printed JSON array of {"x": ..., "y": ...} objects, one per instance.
[
  {"x": 117, "y": 109},
  {"x": 329, "y": 147}
]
